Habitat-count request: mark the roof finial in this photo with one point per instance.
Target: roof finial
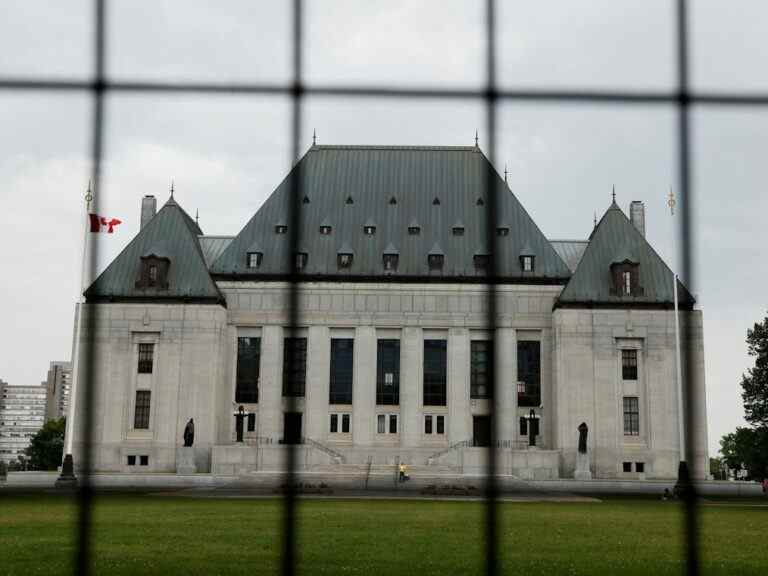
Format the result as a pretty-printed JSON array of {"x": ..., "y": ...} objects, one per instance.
[
  {"x": 671, "y": 202},
  {"x": 476, "y": 140},
  {"x": 595, "y": 219},
  {"x": 314, "y": 137},
  {"x": 614, "y": 193},
  {"x": 88, "y": 195},
  {"x": 171, "y": 187},
  {"x": 505, "y": 173},
  {"x": 197, "y": 216}
]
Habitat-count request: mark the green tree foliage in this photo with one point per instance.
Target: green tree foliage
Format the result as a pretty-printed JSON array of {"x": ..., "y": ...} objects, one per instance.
[
  {"x": 754, "y": 383},
  {"x": 747, "y": 449},
  {"x": 47, "y": 446}
]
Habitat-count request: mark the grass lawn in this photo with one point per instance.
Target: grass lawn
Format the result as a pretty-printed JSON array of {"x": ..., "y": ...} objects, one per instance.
[{"x": 136, "y": 534}]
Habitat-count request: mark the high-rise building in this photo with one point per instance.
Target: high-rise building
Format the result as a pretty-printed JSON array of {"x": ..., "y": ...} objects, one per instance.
[
  {"x": 58, "y": 384},
  {"x": 22, "y": 414}
]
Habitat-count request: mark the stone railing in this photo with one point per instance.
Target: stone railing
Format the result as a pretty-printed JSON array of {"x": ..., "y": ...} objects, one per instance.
[{"x": 337, "y": 457}]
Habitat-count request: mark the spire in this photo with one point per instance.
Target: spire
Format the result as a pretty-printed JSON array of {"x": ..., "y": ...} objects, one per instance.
[
  {"x": 476, "y": 140},
  {"x": 171, "y": 188},
  {"x": 613, "y": 194},
  {"x": 314, "y": 137}
]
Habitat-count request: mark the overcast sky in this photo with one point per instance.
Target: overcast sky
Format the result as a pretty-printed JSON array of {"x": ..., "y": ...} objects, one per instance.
[{"x": 226, "y": 154}]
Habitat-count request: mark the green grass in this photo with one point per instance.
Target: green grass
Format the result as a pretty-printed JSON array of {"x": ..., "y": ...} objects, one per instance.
[{"x": 136, "y": 534}]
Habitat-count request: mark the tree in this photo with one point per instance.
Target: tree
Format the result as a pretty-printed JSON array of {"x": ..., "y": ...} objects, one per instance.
[
  {"x": 747, "y": 449},
  {"x": 47, "y": 446},
  {"x": 716, "y": 468},
  {"x": 755, "y": 382}
]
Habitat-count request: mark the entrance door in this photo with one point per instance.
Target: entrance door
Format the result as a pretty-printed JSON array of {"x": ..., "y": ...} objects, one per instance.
[
  {"x": 292, "y": 428},
  {"x": 481, "y": 430}
]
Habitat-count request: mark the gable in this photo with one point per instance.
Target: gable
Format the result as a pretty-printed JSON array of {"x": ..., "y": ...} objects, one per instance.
[
  {"x": 615, "y": 240},
  {"x": 171, "y": 235},
  {"x": 390, "y": 188}
]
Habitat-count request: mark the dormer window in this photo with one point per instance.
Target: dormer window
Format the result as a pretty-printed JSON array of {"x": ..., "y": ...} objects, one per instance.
[
  {"x": 626, "y": 281},
  {"x": 458, "y": 229},
  {"x": 390, "y": 262},
  {"x": 527, "y": 263},
  {"x": 481, "y": 261},
  {"x": 502, "y": 231},
  {"x": 435, "y": 261},
  {"x": 305, "y": 200},
  {"x": 344, "y": 260},
  {"x": 301, "y": 260},
  {"x": 436, "y": 201},
  {"x": 414, "y": 229},
  {"x": 153, "y": 272},
  {"x": 393, "y": 201},
  {"x": 480, "y": 202},
  {"x": 254, "y": 259},
  {"x": 369, "y": 228},
  {"x": 281, "y": 228},
  {"x": 325, "y": 230}
]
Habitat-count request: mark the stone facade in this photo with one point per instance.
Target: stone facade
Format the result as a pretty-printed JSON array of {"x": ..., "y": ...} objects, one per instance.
[{"x": 195, "y": 361}]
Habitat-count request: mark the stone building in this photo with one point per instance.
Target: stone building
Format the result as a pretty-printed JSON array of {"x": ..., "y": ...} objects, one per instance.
[
  {"x": 22, "y": 414},
  {"x": 391, "y": 357}
]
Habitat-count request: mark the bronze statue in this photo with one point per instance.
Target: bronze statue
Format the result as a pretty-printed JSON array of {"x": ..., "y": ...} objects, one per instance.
[
  {"x": 583, "y": 430},
  {"x": 189, "y": 433}
]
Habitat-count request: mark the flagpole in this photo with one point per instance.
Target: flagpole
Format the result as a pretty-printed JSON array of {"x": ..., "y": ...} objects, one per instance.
[
  {"x": 67, "y": 477},
  {"x": 680, "y": 421}
]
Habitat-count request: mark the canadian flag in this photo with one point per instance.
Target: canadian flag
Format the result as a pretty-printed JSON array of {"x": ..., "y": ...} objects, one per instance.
[{"x": 102, "y": 224}]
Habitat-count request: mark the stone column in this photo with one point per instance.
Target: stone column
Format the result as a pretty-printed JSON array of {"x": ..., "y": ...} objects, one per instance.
[
  {"x": 271, "y": 385},
  {"x": 506, "y": 383},
  {"x": 364, "y": 386},
  {"x": 547, "y": 413},
  {"x": 411, "y": 385},
  {"x": 459, "y": 412},
  {"x": 318, "y": 376}
]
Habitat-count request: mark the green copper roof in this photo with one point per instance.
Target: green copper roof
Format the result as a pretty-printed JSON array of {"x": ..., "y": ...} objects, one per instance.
[
  {"x": 170, "y": 234},
  {"x": 391, "y": 187},
  {"x": 616, "y": 240}
]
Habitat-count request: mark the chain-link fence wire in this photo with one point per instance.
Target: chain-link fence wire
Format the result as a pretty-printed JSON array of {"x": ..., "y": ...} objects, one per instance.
[{"x": 681, "y": 98}]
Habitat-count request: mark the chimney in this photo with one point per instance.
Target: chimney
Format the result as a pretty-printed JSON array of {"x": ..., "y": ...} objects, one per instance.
[
  {"x": 637, "y": 215},
  {"x": 148, "y": 209}
]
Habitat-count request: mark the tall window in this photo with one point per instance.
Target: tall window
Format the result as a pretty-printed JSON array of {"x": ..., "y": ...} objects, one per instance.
[
  {"x": 294, "y": 366},
  {"x": 342, "y": 363},
  {"x": 629, "y": 364},
  {"x": 141, "y": 413},
  {"x": 528, "y": 373},
  {"x": 388, "y": 372},
  {"x": 631, "y": 416},
  {"x": 247, "y": 379},
  {"x": 434, "y": 372},
  {"x": 146, "y": 353},
  {"x": 481, "y": 359}
]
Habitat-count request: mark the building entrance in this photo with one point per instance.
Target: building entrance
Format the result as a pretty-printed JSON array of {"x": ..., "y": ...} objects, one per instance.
[
  {"x": 292, "y": 428},
  {"x": 481, "y": 430}
]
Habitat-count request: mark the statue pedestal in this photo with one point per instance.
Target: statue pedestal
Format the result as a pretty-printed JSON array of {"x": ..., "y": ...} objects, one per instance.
[
  {"x": 582, "y": 466},
  {"x": 185, "y": 460}
]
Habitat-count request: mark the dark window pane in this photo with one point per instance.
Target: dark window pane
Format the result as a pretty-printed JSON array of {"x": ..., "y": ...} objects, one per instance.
[
  {"x": 252, "y": 422},
  {"x": 393, "y": 423},
  {"x": 629, "y": 364},
  {"x": 342, "y": 366},
  {"x": 294, "y": 366},
  {"x": 428, "y": 424},
  {"x": 345, "y": 423},
  {"x": 481, "y": 359},
  {"x": 141, "y": 413},
  {"x": 529, "y": 373},
  {"x": 523, "y": 426},
  {"x": 334, "y": 423},
  {"x": 435, "y": 372},
  {"x": 146, "y": 353},
  {"x": 640, "y": 467},
  {"x": 144, "y": 460},
  {"x": 441, "y": 424},
  {"x": 627, "y": 466},
  {"x": 248, "y": 362},
  {"x": 388, "y": 372},
  {"x": 131, "y": 460},
  {"x": 631, "y": 416}
]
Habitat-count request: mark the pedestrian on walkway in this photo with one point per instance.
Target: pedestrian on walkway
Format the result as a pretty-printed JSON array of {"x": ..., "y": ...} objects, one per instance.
[{"x": 402, "y": 471}]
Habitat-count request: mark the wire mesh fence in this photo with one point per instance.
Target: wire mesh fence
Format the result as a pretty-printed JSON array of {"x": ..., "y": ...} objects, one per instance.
[{"x": 490, "y": 95}]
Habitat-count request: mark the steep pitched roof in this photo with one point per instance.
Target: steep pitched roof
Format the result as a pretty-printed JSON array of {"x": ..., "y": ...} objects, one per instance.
[
  {"x": 570, "y": 251},
  {"x": 372, "y": 175},
  {"x": 614, "y": 240},
  {"x": 171, "y": 234}
]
